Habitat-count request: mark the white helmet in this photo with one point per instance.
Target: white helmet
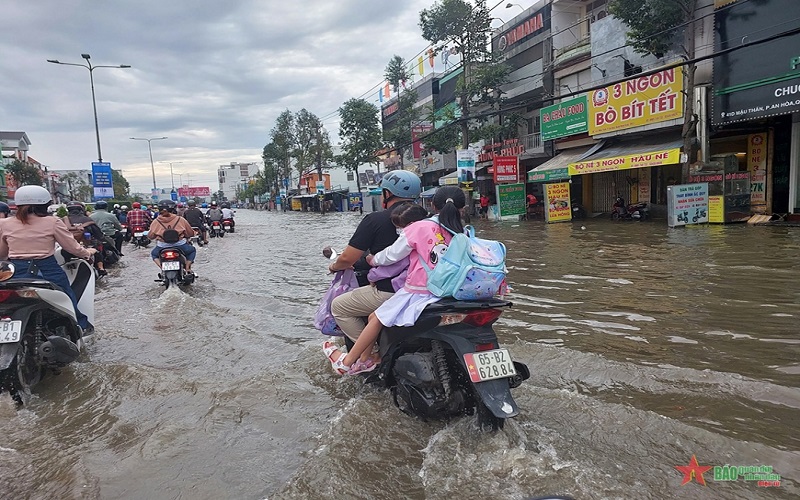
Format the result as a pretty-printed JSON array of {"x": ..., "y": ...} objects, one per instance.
[
  {"x": 31, "y": 195},
  {"x": 124, "y": 207},
  {"x": 116, "y": 205}
]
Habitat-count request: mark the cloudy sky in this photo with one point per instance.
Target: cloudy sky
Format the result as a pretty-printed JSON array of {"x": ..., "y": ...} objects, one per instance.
[{"x": 211, "y": 76}]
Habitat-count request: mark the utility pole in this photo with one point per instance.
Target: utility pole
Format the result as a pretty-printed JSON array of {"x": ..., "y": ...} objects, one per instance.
[{"x": 319, "y": 171}]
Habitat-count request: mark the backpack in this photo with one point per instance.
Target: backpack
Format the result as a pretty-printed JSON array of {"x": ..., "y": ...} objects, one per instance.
[
  {"x": 343, "y": 282},
  {"x": 470, "y": 269},
  {"x": 78, "y": 231}
]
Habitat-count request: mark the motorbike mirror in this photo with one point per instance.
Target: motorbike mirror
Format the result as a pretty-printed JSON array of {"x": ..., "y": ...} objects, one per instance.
[{"x": 329, "y": 253}]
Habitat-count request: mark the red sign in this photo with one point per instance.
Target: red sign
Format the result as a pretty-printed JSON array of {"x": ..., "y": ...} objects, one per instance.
[
  {"x": 506, "y": 168},
  {"x": 192, "y": 192},
  {"x": 529, "y": 26},
  {"x": 418, "y": 131},
  {"x": 509, "y": 147}
]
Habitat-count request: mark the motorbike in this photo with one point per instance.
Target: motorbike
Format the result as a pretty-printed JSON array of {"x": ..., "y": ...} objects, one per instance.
[
  {"x": 126, "y": 234},
  {"x": 173, "y": 268},
  {"x": 216, "y": 229},
  {"x": 39, "y": 332},
  {"x": 578, "y": 211},
  {"x": 197, "y": 239},
  {"x": 450, "y": 364},
  {"x": 633, "y": 211},
  {"x": 227, "y": 225},
  {"x": 139, "y": 236}
]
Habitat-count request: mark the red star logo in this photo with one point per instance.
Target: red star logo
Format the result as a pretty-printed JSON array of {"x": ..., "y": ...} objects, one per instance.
[{"x": 693, "y": 470}]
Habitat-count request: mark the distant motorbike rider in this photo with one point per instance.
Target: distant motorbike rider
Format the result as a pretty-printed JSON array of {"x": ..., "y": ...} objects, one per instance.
[
  {"x": 77, "y": 219},
  {"x": 194, "y": 216},
  {"x": 5, "y": 210},
  {"x": 138, "y": 217},
  {"x": 181, "y": 209},
  {"x": 204, "y": 209},
  {"x": 214, "y": 213},
  {"x": 29, "y": 241},
  {"x": 108, "y": 223},
  {"x": 227, "y": 213},
  {"x": 122, "y": 215},
  {"x": 116, "y": 209},
  {"x": 169, "y": 219}
]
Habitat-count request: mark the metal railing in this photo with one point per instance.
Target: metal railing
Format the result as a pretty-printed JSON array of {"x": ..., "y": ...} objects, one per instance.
[{"x": 532, "y": 143}]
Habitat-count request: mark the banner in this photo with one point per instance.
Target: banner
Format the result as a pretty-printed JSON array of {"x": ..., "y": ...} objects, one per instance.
[
  {"x": 194, "y": 192},
  {"x": 102, "y": 180},
  {"x": 418, "y": 131},
  {"x": 639, "y": 160},
  {"x": 355, "y": 200},
  {"x": 465, "y": 163},
  {"x": 506, "y": 168},
  {"x": 687, "y": 204},
  {"x": 757, "y": 165},
  {"x": 636, "y": 102},
  {"x": 510, "y": 199},
  {"x": 569, "y": 117},
  {"x": 556, "y": 199}
]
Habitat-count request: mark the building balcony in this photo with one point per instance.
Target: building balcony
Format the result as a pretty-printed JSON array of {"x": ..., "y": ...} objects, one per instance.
[
  {"x": 533, "y": 145},
  {"x": 581, "y": 49}
]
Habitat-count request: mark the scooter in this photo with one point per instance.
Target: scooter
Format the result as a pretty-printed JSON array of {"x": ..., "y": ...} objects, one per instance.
[
  {"x": 634, "y": 211},
  {"x": 228, "y": 225},
  {"x": 126, "y": 234},
  {"x": 39, "y": 332},
  {"x": 216, "y": 229},
  {"x": 578, "y": 211},
  {"x": 197, "y": 239},
  {"x": 139, "y": 237},
  {"x": 173, "y": 268}
]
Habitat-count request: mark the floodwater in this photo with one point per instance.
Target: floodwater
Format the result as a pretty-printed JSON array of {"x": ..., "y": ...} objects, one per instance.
[{"x": 647, "y": 345}]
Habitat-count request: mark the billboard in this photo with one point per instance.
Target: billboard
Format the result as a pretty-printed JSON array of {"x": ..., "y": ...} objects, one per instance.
[
  {"x": 465, "y": 163},
  {"x": 569, "y": 117},
  {"x": 194, "y": 191},
  {"x": 636, "y": 102},
  {"x": 102, "y": 180},
  {"x": 506, "y": 168}
]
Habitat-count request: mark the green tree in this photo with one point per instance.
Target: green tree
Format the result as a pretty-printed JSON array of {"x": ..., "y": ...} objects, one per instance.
[
  {"x": 396, "y": 72},
  {"x": 24, "y": 174},
  {"x": 360, "y": 134},
  {"x": 283, "y": 140},
  {"x": 122, "y": 189},
  {"x": 467, "y": 28},
  {"x": 398, "y": 135},
  {"x": 656, "y": 27},
  {"x": 312, "y": 142},
  {"x": 272, "y": 159}
]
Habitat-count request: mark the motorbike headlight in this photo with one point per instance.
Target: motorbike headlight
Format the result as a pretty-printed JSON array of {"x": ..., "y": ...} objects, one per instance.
[{"x": 6, "y": 270}]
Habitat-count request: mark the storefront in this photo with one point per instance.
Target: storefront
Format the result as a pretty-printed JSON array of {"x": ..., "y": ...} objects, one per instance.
[{"x": 556, "y": 169}]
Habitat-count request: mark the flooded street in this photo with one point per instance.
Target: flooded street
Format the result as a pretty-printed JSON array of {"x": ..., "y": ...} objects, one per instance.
[{"x": 646, "y": 345}]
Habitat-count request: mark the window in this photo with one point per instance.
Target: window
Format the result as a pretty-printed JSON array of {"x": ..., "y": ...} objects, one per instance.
[{"x": 350, "y": 177}]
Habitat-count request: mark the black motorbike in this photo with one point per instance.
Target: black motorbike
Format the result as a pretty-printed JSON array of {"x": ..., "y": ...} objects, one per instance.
[
  {"x": 139, "y": 236},
  {"x": 450, "y": 364},
  {"x": 578, "y": 210},
  {"x": 215, "y": 229},
  {"x": 228, "y": 225},
  {"x": 173, "y": 268},
  {"x": 633, "y": 211}
]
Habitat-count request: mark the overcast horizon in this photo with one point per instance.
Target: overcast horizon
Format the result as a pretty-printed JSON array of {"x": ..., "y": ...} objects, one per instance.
[{"x": 209, "y": 76}]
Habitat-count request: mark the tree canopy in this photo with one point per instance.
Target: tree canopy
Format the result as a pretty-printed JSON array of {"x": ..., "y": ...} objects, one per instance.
[
  {"x": 24, "y": 174},
  {"x": 653, "y": 24},
  {"x": 396, "y": 72},
  {"x": 360, "y": 134}
]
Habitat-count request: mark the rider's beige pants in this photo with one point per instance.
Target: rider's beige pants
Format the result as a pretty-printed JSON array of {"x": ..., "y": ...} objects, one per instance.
[{"x": 352, "y": 308}]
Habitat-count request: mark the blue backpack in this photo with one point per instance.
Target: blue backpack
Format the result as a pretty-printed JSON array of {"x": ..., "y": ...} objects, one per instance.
[{"x": 470, "y": 269}]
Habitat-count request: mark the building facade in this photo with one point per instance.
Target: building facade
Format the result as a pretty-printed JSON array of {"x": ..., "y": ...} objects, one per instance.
[{"x": 234, "y": 177}]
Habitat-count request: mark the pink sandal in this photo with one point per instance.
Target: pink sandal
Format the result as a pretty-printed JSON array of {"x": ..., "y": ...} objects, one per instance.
[
  {"x": 337, "y": 364},
  {"x": 362, "y": 367}
]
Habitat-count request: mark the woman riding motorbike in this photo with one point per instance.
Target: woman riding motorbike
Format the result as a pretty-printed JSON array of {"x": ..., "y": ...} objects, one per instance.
[{"x": 29, "y": 239}]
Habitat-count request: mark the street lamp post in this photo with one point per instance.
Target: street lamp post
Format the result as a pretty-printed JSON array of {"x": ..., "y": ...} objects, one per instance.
[
  {"x": 171, "y": 174},
  {"x": 152, "y": 167},
  {"x": 91, "y": 69}
]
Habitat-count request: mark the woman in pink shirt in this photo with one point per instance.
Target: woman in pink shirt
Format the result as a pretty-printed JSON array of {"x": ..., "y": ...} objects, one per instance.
[
  {"x": 29, "y": 239},
  {"x": 426, "y": 240}
]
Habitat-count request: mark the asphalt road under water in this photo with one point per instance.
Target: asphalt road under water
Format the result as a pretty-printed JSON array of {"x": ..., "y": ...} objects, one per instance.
[{"x": 646, "y": 345}]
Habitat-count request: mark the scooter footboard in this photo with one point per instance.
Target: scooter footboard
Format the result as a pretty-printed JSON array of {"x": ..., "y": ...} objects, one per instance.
[{"x": 7, "y": 354}]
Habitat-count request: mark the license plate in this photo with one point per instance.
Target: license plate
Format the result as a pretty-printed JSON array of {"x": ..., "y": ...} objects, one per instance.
[
  {"x": 489, "y": 365},
  {"x": 170, "y": 265},
  {"x": 138, "y": 235},
  {"x": 227, "y": 227},
  {"x": 10, "y": 331}
]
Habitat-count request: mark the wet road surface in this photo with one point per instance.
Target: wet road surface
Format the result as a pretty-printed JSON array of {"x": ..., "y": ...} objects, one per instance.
[{"x": 646, "y": 345}]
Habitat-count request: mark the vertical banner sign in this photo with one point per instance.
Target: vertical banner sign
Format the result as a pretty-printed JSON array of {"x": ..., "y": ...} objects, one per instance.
[
  {"x": 687, "y": 204},
  {"x": 510, "y": 199},
  {"x": 465, "y": 163},
  {"x": 418, "y": 131},
  {"x": 506, "y": 168},
  {"x": 639, "y": 101},
  {"x": 102, "y": 180},
  {"x": 556, "y": 198},
  {"x": 644, "y": 185},
  {"x": 355, "y": 200},
  {"x": 757, "y": 165}
]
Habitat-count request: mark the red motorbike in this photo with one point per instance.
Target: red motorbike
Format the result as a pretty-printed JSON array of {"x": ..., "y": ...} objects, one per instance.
[
  {"x": 139, "y": 236},
  {"x": 228, "y": 225},
  {"x": 633, "y": 211}
]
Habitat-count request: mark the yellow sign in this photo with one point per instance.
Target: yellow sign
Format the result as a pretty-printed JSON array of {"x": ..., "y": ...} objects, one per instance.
[
  {"x": 639, "y": 160},
  {"x": 716, "y": 212},
  {"x": 757, "y": 165},
  {"x": 557, "y": 200},
  {"x": 639, "y": 101}
]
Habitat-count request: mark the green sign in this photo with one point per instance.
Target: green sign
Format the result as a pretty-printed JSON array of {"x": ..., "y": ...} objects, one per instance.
[
  {"x": 568, "y": 117},
  {"x": 554, "y": 174},
  {"x": 511, "y": 199}
]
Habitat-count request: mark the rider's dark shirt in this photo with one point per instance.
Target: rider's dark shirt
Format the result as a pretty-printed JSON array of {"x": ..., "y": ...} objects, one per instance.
[
  {"x": 195, "y": 217},
  {"x": 373, "y": 234}
]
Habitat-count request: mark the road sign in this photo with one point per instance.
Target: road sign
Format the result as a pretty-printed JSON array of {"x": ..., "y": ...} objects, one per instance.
[{"x": 173, "y": 195}]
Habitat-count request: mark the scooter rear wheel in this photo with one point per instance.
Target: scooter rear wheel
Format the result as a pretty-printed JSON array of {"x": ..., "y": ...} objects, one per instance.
[{"x": 487, "y": 421}]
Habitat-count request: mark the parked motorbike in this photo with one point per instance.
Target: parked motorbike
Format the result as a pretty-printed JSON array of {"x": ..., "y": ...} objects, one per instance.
[
  {"x": 578, "y": 211},
  {"x": 215, "y": 230},
  {"x": 139, "y": 236},
  {"x": 228, "y": 226},
  {"x": 173, "y": 268},
  {"x": 39, "y": 332},
  {"x": 450, "y": 364},
  {"x": 633, "y": 211}
]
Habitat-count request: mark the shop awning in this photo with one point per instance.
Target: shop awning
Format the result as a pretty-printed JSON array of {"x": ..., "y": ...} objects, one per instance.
[
  {"x": 428, "y": 193},
  {"x": 449, "y": 179},
  {"x": 624, "y": 155},
  {"x": 555, "y": 169}
]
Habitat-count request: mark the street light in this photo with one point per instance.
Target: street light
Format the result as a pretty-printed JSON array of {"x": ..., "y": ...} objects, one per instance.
[
  {"x": 91, "y": 69},
  {"x": 152, "y": 167},
  {"x": 172, "y": 175},
  {"x": 509, "y": 5}
]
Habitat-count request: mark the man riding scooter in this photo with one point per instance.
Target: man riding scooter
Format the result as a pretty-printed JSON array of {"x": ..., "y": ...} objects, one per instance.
[
  {"x": 194, "y": 216},
  {"x": 109, "y": 224},
  {"x": 79, "y": 224},
  {"x": 168, "y": 220},
  {"x": 227, "y": 216}
]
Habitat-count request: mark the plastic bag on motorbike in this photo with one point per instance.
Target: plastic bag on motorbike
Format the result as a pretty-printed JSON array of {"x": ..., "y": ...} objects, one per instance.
[{"x": 343, "y": 282}]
